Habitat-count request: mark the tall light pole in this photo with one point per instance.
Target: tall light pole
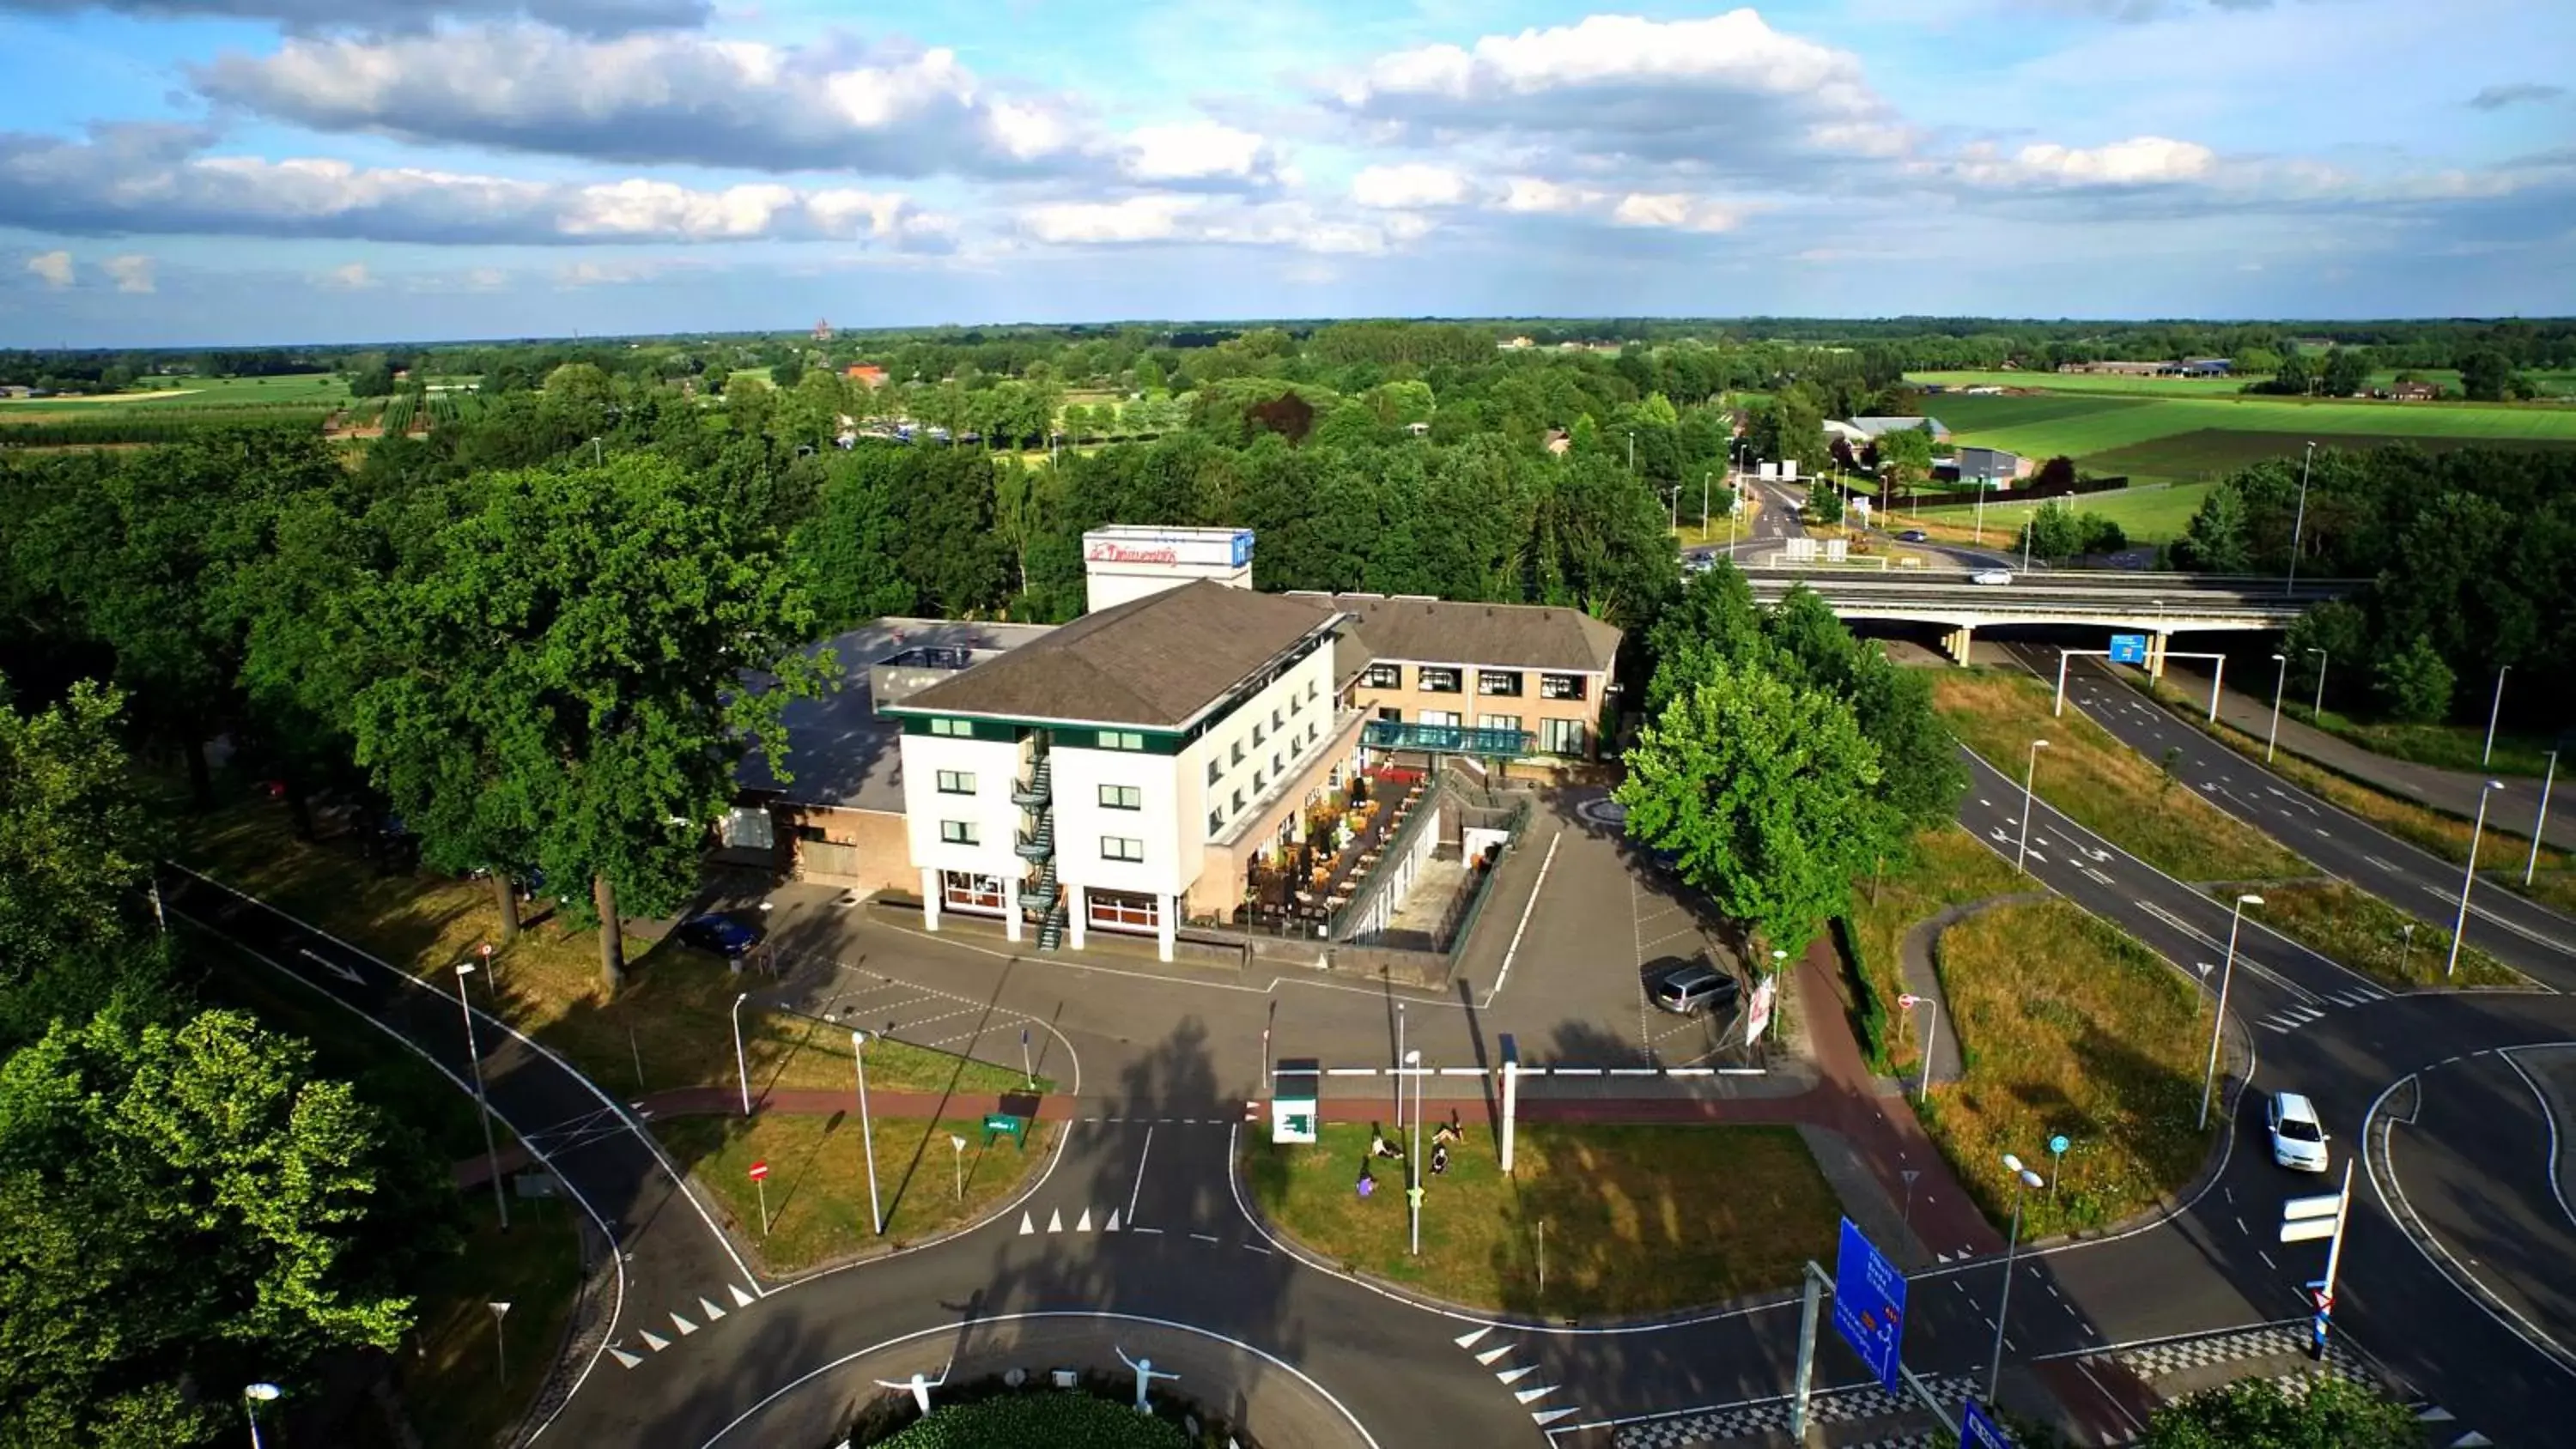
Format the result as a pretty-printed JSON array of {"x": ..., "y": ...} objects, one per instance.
[
  {"x": 2323, "y": 659},
  {"x": 2030, "y": 772},
  {"x": 867, "y": 1132},
  {"x": 1413, "y": 1159},
  {"x": 741, "y": 1063},
  {"x": 2540, "y": 822},
  {"x": 2278, "y": 686},
  {"x": 482, "y": 1107},
  {"x": 2023, "y": 1178},
  {"x": 2494, "y": 712},
  {"x": 254, "y": 1395},
  {"x": 1399, "y": 1081},
  {"x": 1705, "y": 474},
  {"x": 2299, "y": 525},
  {"x": 2218, "y": 1020},
  {"x": 2460, "y": 925}
]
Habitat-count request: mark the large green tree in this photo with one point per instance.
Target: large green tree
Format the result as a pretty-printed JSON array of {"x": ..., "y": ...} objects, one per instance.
[
  {"x": 75, "y": 841},
  {"x": 569, "y": 671},
  {"x": 1765, "y": 793},
  {"x": 2255, "y": 1414}
]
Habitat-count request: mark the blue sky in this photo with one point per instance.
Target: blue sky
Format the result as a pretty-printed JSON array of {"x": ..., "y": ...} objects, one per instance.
[{"x": 232, "y": 171}]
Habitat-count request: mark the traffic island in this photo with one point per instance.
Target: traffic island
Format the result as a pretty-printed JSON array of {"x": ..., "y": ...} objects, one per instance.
[
  {"x": 1041, "y": 1413},
  {"x": 814, "y": 1185},
  {"x": 1627, "y": 1221},
  {"x": 2348, "y": 925},
  {"x": 2069, "y": 1029}
]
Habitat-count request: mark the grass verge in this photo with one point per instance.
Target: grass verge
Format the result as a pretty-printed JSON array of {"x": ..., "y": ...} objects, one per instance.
[
  {"x": 1636, "y": 1219},
  {"x": 671, "y": 1027},
  {"x": 1950, "y": 867},
  {"x": 818, "y": 1189},
  {"x": 2553, "y": 881},
  {"x": 449, "y": 1373},
  {"x": 2347, "y": 924},
  {"x": 2101, "y": 783},
  {"x": 2445, "y": 746},
  {"x": 2067, "y": 1026}
]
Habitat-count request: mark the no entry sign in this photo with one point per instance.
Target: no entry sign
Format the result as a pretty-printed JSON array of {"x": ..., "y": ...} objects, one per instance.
[{"x": 759, "y": 1170}]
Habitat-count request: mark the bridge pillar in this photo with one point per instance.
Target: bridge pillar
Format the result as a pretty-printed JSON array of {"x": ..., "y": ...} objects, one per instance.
[
  {"x": 1962, "y": 640},
  {"x": 2156, "y": 643}
]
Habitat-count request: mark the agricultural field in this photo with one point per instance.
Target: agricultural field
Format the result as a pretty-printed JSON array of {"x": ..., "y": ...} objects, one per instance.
[
  {"x": 2148, "y": 513},
  {"x": 2082, "y": 382},
  {"x": 310, "y": 389}
]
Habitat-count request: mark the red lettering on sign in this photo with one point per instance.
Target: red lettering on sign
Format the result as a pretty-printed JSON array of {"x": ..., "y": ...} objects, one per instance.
[{"x": 1120, "y": 553}]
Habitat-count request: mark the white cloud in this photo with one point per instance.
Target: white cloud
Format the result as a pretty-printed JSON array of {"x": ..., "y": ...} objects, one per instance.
[
  {"x": 54, "y": 267},
  {"x": 1176, "y": 219},
  {"x": 591, "y": 17},
  {"x": 2139, "y": 161},
  {"x": 1196, "y": 151},
  {"x": 1409, "y": 185},
  {"x": 1536, "y": 194},
  {"x": 1674, "y": 211},
  {"x": 133, "y": 272},
  {"x": 1737, "y": 49},
  {"x": 1134, "y": 219},
  {"x": 614, "y": 271},
  {"x": 347, "y": 277}
]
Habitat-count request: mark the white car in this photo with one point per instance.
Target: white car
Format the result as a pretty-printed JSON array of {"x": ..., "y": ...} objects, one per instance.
[
  {"x": 2298, "y": 1140},
  {"x": 1991, "y": 576}
]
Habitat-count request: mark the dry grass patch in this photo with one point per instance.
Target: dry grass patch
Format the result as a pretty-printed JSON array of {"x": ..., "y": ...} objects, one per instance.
[
  {"x": 2068, "y": 1026},
  {"x": 2501, "y": 854},
  {"x": 2102, "y": 784},
  {"x": 1950, "y": 867},
  {"x": 2348, "y": 924},
  {"x": 1638, "y": 1219},
  {"x": 672, "y": 1026},
  {"x": 818, "y": 1188}
]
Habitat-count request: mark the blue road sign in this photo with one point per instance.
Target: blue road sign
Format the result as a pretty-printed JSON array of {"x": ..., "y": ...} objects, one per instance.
[
  {"x": 1869, "y": 1305},
  {"x": 2128, "y": 648},
  {"x": 1976, "y": 1431}
]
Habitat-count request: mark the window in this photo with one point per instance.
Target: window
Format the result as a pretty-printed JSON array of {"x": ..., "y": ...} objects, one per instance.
[
  {"x": 1296, "y": 704},
  {"x": 1448, "y": 717},
  {"x": 1260, "y": 782},
  {"x": 1121, "y": 740},
  {"x": 1238, "y": 802},
  {"x": 1121, "y": 797},
  {"x": 1278, "y": 721},
  {"x": 1121, "y": 911},
  {"x": 1238, "y": 752},
  {"x": 1510, "y": 722},
  {"x": 960, "y": 832},
  {"x": 1561, "y": 736},
  {"x": 969, "y": 892},
  {"x": 1216, "y": 822},
  {"x": 1279, "y": 764},
  {"x": 1432, "y": 680},
  {"x": 1313, "y": 690},
  {"x": 1120, "y": 847},
  {"x": 956, "y": 782},
  {"x": 1506, "y": 682},
  {"x": 1259, "y": 735},
  {"x": 1560, "y": 686},
  {"x": 1215, "y": 768},
  {"x": 815, "y": 833},
  {"x": 1386, "y": 676},
  {"x": 961, "y": 728},
  {"x": 1391, "y": 714}
]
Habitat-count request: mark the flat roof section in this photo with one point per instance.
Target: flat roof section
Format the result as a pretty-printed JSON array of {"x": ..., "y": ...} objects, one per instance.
[{"x": 841, "y": 751}]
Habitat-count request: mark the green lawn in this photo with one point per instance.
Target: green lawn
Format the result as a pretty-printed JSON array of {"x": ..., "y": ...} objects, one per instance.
[
  {"x": 2451, "y": 747},
  {"x": 2066, "y": 1026},
  {"x": 1636, "y": 1219},
  {"x": 2350, "y": 925},
  {"x": 2156, "y": 513},
  {"x": 1950, "y": 867},
  {"x": 161, "y": 393},
  {"x": 449, "y": 1370}
]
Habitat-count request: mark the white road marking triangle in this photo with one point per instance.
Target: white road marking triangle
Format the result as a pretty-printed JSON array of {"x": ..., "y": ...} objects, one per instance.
[
  {"x": 740, "y": 1298},
  {"x": 1028, "y": 1225},
  {"x": 625, "y": 1359},
  {"x": 1111, "y": 1226},
  {"x": 655, "y": 1341},
  {"x": 685, "y": 1326},
  {"x": 1546, "y": 1417},
  {"x": 2434, "y": 1415},
  {"x": 1513, "y": 1376},
  {"x": 1528, "y": 1395},
  {"x": 710, "y": 1310},
  {"x": 1055, "y": 1221},
  {"x": 2471, "y": 1440},
  {"x": 1084, "y": 1225},
  {"x": 1468, "y": 1339},
  {"x": 1489, "y": 1355}
]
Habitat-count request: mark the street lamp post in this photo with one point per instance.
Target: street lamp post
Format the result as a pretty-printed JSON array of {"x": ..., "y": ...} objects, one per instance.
[
  {"x": 2405, "y": 948},
  {"x": 2494, "y": 711},
  {"x": 2318, "y": 716},
  {"x": 2460, "y": 925},
  {"x": 2540, "y": 822},
  {"x": 482, "y": 1106},
  {"x": 867, "y": 1132},
  {"x": 2030, "y": 772},
  {"x": 1413, "y": 1159},
  {"x": 2278, "y": 687},
  {"x": 2023, "y": 1178},
  {"x": 2299, "y": 525},
  {"x": 741, "y": 1063},
  {"x": 2218, "y": 1019},
  {"x": 254, "y": 1395},
  {"x": 1399, "y": 1081}
]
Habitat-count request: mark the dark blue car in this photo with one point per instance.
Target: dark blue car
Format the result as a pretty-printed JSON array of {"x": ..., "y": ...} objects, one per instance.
[{"x": 718, "y": 934}]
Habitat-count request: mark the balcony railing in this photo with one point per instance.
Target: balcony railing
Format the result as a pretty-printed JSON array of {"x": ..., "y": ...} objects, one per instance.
[{"x": 1387, "y": 734}]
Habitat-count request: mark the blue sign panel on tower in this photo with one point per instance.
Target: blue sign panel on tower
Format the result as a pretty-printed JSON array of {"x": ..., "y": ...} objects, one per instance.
[
  {"x": 2128, "y": 648},
  {"x": 1976, "y": 1431},
  {"x": 1869, "y": 1305}
]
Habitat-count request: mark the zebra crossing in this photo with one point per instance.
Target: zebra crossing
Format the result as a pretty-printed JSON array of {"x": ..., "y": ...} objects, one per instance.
[
  {"x": 1496, "y": 1360},
  {"x": 2303, "y": 1013}
]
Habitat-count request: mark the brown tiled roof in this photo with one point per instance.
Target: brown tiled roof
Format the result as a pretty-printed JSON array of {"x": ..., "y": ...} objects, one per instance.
[
  {"x": 1499, "y": 636},
  {"x": 1153, "y": 662}
]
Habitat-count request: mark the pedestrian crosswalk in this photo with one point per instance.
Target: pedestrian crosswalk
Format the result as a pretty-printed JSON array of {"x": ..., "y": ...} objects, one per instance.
[
  {"x": 1493, "y": 1353},
  {"x": 2290, "y": 1018}
]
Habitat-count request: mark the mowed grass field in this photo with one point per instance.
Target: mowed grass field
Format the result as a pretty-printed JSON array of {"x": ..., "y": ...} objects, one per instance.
[
  {"x": 2151, "y": 513},
  {"x": 2079, "y": 382},
  {"x": 184, "y": 392}
]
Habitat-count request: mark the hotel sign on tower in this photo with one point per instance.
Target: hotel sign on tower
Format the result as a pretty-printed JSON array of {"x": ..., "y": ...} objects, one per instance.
[{"x": 1127, "y": 563}]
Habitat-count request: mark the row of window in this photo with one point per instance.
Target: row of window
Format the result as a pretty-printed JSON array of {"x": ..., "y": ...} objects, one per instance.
[
  {"x": 1502, "y": 683},
  {"x": 1112, "y": 797},
  {"x": 1131, "y": 741},
  {"x": 1555, "y": 736},
  {"x": 1112, "y": 847}
]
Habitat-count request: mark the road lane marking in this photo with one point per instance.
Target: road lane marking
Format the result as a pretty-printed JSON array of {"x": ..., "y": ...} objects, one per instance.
[{"x": 1139, "y": 1189}]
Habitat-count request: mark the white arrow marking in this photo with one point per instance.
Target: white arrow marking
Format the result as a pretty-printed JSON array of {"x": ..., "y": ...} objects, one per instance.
[
  {"x": 1513, "y": 1376},
  {"x": 1084, "y": 1225},
  {"x": 334, "y": 967},
  {"x": 740, "y": 1298},
  {"x": 710, "y": 1310},
  {"x": 1027, "y": 1225},
  {"x": 1111, "y": 1226},
  {"x": 1530, "y": 1395},
  {"x": 1489, "y": 1355},
  {"x": 1055, "y": 1221}
]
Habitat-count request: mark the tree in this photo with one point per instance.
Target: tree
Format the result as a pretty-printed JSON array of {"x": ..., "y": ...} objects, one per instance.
[
  {"x": 1824, "y": 500},
  {"x": 211, "y": 1144},
  {"x": 567, "y": 668},
  {"x": 2214, "y": 542},
  {"x": 1905, "y": 457},
  {"x": 75, "y": 842},
  {"x": 2346, "y": 369},
  {"x": 1764, "y": 793},
  {"x": 2296, "y": 376},
  {"x": 2414, "y": 684},
  {"x": 2341, "y": 630},
  {"x": 1715, "y": 619},
  {"x": 2485, "y": 374},
  {"x": 2255, "y": 1414}
]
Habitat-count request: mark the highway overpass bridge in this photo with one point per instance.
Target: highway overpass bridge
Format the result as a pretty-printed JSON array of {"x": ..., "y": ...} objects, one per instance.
[{"x": 2156, "y": 605}]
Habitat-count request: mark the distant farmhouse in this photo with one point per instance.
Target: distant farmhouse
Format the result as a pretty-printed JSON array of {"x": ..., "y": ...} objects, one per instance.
[{"x": 2184, "y": 367}]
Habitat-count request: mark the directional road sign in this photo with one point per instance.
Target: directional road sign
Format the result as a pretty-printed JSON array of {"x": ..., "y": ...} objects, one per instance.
[
  {"x": 2303, "y": 1218},
  {"x": 2128, "y": 648},
  {"x": 1869, "y": 1306},
  {"x": 1976, "y": 1431}
]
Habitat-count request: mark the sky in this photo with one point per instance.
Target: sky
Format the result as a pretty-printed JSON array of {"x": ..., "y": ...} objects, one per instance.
[{"x": 202, "y": 172}]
